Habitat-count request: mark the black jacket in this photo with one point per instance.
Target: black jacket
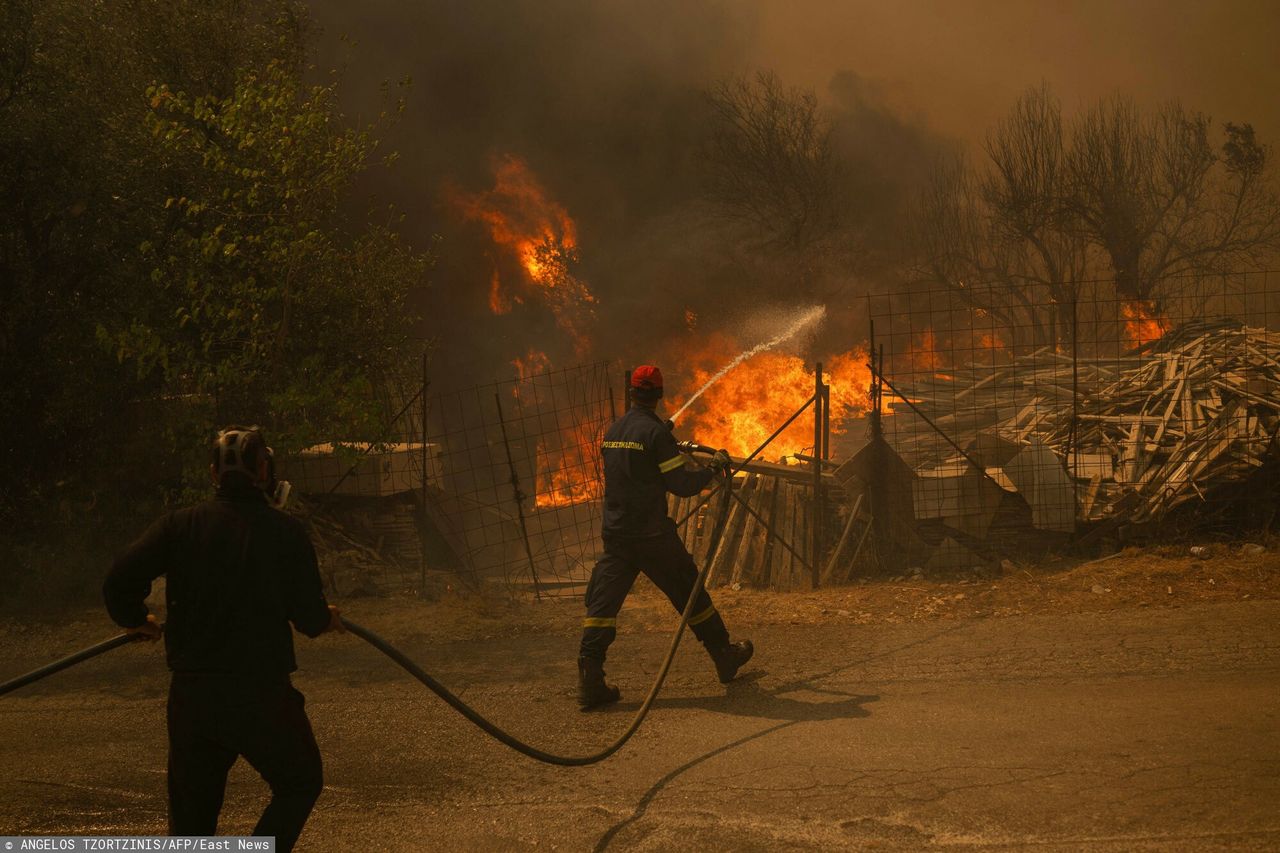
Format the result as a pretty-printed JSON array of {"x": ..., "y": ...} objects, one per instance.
[
  {"x": 642, "y": 464},
  {"x": 238, "y": 572}
]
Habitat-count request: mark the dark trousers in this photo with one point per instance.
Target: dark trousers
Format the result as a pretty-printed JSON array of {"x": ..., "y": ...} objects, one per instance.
[
  {"x": 666, "y": 562},
  {"x": 213, "y": 719}
]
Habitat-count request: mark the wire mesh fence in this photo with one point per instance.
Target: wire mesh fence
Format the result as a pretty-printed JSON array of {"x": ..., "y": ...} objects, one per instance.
[
  {"x": 1086, "y": 417},
  {"x": 503, "y": 484}
]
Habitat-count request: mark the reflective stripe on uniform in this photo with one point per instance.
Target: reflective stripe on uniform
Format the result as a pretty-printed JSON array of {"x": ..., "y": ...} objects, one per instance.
[
  {"x": 600, "y": 622},
  {"x": 622, "y": 445},
  {"x": 703, "y": 616},
  {"x": 671, "y": 464}
]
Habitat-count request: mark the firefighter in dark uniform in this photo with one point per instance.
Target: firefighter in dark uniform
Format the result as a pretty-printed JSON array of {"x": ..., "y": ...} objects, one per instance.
[
  {"x": 238, "y": 572},
  {"x": 642, "y": 464}
]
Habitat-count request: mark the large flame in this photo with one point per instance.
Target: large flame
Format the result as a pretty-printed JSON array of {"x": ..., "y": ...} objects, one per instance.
[
  {"x": 748, "y": 403},
  {"x": 538, "y": 232},
  {"x": 1141, "y": 323},
  {"x": 566, "y": 463}
]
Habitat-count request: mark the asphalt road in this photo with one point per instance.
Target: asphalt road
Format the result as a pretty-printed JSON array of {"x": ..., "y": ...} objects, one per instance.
[{"x": 1128, "y": 730}]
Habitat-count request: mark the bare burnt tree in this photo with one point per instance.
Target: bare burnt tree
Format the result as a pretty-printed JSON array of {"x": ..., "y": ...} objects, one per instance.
[
  {"x": 1142, "y": 199},
  {"x": 769, "y": 160},
  {"x": 998, "y": 237},
  {"x": 1154, "y": 194}
]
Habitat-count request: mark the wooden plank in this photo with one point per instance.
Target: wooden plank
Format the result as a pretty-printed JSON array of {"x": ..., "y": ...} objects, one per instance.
[
  {"x": 748, "y": 529},
  {"x": 1090, "y": 495},
  {"x": 803, "y": 542},
  {"x": 769, "y": 508},
  {"x": 797, "y": 473},
  {"x": 723, "y": 560},
  {"x": 1174, "y": 399},
  {"x": 706, "y": 524},
  {"x": 786, "y": 530},
  {"x": 769, "y": 549},
  {"x": 828, "y": 573}
]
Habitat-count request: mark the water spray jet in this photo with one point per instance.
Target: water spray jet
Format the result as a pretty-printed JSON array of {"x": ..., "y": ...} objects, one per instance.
[{"x": 806, "y": 318}]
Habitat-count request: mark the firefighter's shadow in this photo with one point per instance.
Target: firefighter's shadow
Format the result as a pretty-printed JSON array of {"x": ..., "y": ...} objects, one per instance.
[{"x": 746, "y": 698}]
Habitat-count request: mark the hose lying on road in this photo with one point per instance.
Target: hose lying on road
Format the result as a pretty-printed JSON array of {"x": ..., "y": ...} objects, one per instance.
[
  {"x": 433, "y": 685},
  {"x": 444, "y": 693}
]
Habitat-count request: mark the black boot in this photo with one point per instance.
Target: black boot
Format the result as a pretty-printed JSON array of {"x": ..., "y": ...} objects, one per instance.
[
  {"x": 592, "y": 690},
  {"x": 730, "y": 657}
]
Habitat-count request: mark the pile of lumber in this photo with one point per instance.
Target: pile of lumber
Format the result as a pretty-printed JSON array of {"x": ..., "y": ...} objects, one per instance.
[{"x": 1135, "y": 436}]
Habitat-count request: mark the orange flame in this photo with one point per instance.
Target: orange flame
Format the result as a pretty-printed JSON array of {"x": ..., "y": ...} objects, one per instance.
[
  {"x": 569, "y": 473},
  {"x": 529, "y": 365},
  {"x": 565, "y": 467},
  {"x": 499, "y": 302},
  {"x": 747, "y": 404},
  {"x": 925, "y": 358},
  {"x": 539, "y": 233},
  {"x": 1141, "y": 325}
]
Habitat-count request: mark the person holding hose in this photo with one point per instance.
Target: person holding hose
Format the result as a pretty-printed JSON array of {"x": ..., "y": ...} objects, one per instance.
[
  {"x": 642, "y": 464},
  {"x": 239, "y": 573}
]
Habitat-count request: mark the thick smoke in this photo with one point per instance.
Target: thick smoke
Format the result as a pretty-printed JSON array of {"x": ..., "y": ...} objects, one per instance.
[{"x": 606, "y": 103}]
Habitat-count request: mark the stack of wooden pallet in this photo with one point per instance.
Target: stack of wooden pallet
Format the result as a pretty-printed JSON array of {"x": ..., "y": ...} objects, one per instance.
[
  {"x": 1148, "y": 432},
  {"x": 765, "y": 540}
]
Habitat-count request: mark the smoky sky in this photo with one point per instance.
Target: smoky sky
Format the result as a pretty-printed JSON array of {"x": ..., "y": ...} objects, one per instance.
[
  {"x": 604, "y": 100},
  {"x": 961, "y": 63}
]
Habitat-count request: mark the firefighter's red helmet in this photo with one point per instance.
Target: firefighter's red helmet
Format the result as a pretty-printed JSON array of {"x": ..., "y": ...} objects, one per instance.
[{"x": 647, "y": 378}]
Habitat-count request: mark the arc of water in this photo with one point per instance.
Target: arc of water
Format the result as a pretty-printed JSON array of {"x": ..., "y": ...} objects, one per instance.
[{"x": 811, "y": 315}]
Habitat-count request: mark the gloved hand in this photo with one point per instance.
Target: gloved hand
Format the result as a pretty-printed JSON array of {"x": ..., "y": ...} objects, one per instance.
[
  {"x": 335, "y": 622},
  {"x": 720, "y": 462},
  {"x": 150, "y": 631}
]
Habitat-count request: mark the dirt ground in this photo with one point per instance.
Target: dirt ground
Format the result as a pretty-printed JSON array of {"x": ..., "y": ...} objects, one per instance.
[{"x": 1124, "y": 704}]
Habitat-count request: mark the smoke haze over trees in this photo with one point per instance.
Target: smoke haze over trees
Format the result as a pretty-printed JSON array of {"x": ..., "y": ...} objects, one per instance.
[
  {"x": 608, "y": 103},
  {"x": 715, "y": 157},
  {"x": 612, "y": 105}
]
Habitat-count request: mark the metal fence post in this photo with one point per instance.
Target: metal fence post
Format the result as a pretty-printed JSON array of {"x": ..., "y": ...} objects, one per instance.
[
  {"x": 819, "y": 415},
  {"x": 518, "y": 496},
  {"x": 426, "y": 518}
]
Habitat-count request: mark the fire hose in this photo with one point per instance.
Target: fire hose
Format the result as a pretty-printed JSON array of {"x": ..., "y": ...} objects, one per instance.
[{"x": 403, "y": 661}]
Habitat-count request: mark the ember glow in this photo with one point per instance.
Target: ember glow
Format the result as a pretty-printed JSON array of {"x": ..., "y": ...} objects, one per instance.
[
  {"x": 1142, "y": 323},
  {"x": 992, "y": 341},
  {"x": 499, "y": 302},
  {"x": 529, "y": 365},
  {"x": 924, "y": 354},
  {"x": 535, "y": 230},
  {"x": 748, "y": 403}
]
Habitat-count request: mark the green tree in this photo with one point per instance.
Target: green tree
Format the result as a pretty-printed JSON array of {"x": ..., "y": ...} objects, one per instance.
[
  {"x": 259, "y": 296},
  {"x": 139, "y": 140}
]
